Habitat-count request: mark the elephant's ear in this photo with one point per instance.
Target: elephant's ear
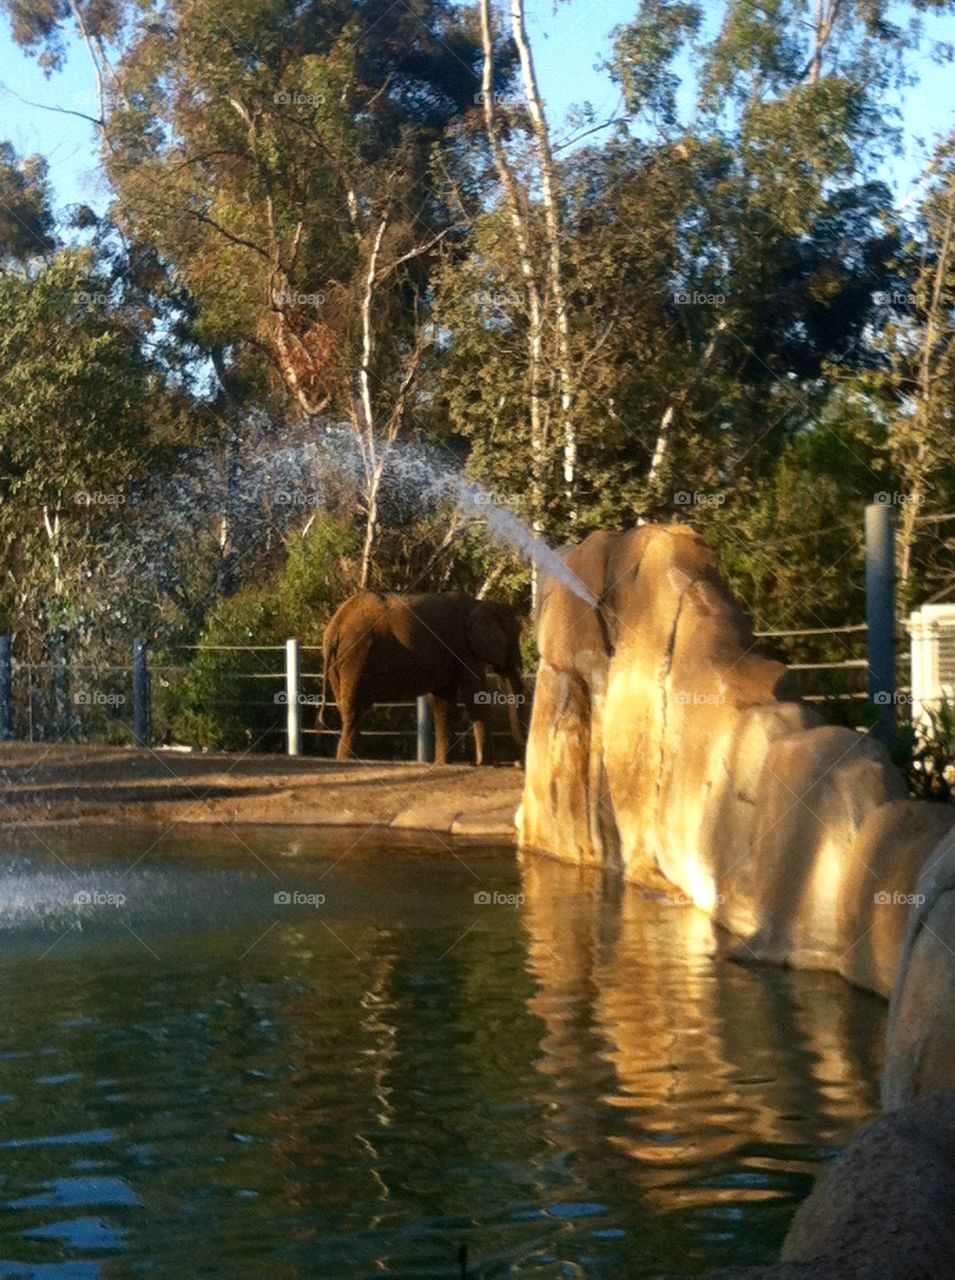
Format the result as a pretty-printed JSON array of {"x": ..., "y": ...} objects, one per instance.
[{"x": 487, "y": 636}]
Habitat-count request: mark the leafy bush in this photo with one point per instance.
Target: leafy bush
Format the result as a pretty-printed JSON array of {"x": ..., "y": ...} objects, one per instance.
[
  {"x": 230, "y": 697},
  {"x": 926, "y": 754}
]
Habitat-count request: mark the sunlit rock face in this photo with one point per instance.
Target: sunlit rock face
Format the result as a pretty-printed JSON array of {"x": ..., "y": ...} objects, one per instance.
[{"x": 680, "y": 757}]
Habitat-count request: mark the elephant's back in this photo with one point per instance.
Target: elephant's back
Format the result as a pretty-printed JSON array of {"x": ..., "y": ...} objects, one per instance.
[{"x": 361, "y": 609}]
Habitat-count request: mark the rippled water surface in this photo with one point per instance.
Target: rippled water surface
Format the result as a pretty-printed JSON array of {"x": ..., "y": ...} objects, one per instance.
[{"x": 270, "y": 1057}]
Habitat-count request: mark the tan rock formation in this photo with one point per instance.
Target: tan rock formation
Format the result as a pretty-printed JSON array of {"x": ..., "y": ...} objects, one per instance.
[
  {"x": 920, "y": 1042},
  {"x": 681, "y": 755}
]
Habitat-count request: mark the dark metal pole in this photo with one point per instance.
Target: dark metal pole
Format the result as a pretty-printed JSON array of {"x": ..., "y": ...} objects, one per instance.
[
  {"x": 425, "y": 732},
  {"x": 880, "y": 614},
  {"x": 6, "y": 690},
  {"x": 141, "y": 707}
]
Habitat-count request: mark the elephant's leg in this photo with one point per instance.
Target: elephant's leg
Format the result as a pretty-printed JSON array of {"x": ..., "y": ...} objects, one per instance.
[
  {"x": 477, "y": 701},
  {"x": 483, "y": 742},
  {"x": 442, "y": 710},
  {"x": 349, "y": 740},
  {"x": 346, "y": 739}
]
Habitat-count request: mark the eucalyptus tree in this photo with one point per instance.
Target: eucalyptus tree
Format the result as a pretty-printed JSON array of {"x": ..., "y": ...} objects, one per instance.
[
  {"x": 915, "y": 392},
  {"x": 83, "y": 408},
  {"x": 279, "y": 159}
]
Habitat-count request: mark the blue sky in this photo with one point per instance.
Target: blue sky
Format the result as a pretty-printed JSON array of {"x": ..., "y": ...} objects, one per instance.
[{"x": 569, "y": 44}]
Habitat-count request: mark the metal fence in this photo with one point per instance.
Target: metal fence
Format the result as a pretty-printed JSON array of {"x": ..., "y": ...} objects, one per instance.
[
  {"x": 126, "y": 702},
  {"x": 268, "y": 691},
  {"x": 810, "y": 678}
]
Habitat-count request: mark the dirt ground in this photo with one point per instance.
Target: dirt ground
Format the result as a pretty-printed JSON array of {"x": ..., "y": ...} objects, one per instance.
[{"x": 54, "y": 784}]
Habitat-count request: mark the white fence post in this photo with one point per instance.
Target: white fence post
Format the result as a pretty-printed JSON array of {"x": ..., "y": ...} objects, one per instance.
[{"x": 293, "y": 706}]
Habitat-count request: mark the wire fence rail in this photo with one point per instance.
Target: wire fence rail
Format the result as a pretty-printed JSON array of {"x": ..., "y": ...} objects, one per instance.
[
  {"x": 128, "y": 703},
  {"x": 277, "y": 704},
  {"x": 857, "y": 630}
]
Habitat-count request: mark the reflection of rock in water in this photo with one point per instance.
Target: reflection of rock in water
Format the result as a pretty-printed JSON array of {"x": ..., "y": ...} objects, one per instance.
[{"x": 714, "y": 1066}]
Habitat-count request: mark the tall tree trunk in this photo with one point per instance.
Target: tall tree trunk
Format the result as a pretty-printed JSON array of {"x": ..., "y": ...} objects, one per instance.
[
  {"x": 826, "y": 13},
  {"x": 552, "y": 222},
  {"x": 661, "y": 451},
  {"x": 371, "y": 529},
  {"x": 927, "y": 373},
  {"x": 365, "y": 419},
  {"x": 517, "y": 214}
]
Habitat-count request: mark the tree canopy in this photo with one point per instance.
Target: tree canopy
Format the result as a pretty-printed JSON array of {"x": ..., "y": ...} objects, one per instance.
[{"x": 345, "y": 237}]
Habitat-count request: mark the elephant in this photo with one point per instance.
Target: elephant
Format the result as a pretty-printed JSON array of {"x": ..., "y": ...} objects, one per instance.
[{"x": 381, "y": 647}]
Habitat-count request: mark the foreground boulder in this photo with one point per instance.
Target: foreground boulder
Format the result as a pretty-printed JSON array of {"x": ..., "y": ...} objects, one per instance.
[
  {"x": 883, "y": 1210},
  {"x": 920, "y": 1041},
  {"x": 683, "y": 757}
]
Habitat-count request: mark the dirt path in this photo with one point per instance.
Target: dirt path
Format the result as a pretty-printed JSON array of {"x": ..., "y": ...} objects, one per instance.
[{"x": 44, "y": 784}]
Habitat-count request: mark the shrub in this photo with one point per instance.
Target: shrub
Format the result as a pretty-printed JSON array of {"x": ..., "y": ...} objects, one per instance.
[
  {"x": 925, "y": 752},
  {"x": 226, "y": 699}
]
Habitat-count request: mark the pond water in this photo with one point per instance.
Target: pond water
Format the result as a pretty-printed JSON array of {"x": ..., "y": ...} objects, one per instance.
[{"x": 270, "y": 1055}]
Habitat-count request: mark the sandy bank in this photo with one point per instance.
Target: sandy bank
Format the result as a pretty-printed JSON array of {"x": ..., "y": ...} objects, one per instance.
[{"x": 44, "y": 784}]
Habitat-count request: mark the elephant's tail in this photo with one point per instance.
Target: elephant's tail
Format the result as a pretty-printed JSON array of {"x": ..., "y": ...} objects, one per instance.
[{"x": 329, "y": 656}]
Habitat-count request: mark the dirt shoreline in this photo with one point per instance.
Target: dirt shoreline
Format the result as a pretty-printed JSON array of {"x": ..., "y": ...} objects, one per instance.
[{"x": 46, "y": 785}]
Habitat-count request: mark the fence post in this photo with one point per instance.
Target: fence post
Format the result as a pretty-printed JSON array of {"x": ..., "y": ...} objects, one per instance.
[
  {"x": 6, "y": 690},
  {"x": 293, "y": 706},
  {"x": 60, "y": 679},
  {"x": 880, "y": 614},
  {"x": 141, "y": 699},
  {"x": 425, "y": 732}
]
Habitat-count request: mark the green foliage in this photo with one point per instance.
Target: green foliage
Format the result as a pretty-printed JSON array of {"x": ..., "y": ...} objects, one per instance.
[
  {"x": 80, "y": 408},
  {"x": 26, "y": 220},
  {"x": 226, "y": 700},
  {"x": 644, "y": 52},
  {"x": 220, "y": 704},
  {"x": 317, "y": 572},
  {"x": 926, "y": 754}
]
